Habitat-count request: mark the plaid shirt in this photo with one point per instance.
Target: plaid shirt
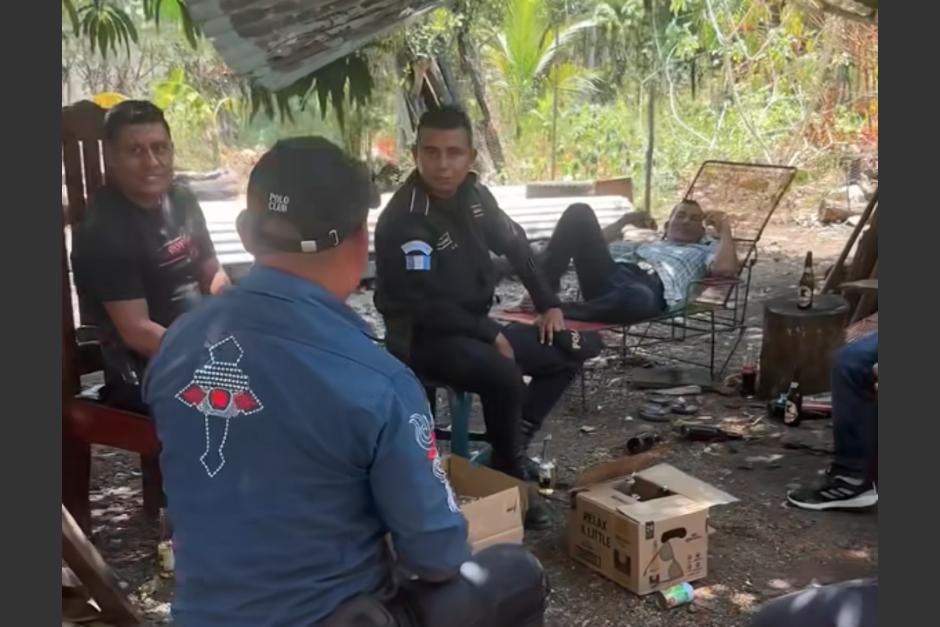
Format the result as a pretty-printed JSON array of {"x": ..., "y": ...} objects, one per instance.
[{"x": 677, "y": 266}]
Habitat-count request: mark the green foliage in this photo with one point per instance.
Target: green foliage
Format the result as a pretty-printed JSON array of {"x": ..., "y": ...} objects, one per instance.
[
  {"x": 195, "y": 117},
  {"x": 105, "y": 25},
  {"x": 173, "y": 11},
  {"x": 523, "y": 50},
  {"x": 68, "y": 8},
  {"x": 752, "y": 80},
  {"x": 431, "y": 36},
  {"x": 348, "y": 79}
]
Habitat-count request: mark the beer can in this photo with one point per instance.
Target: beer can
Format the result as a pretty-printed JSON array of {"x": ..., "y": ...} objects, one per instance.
[
  {"x": 677, "y": 595},
  {"x": 547, "y": 477}
]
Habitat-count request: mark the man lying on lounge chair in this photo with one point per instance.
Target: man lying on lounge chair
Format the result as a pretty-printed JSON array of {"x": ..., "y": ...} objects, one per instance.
[{"x": 625, "y": 283}]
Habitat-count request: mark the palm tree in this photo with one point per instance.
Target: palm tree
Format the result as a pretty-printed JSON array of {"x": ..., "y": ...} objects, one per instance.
[{"x": 523, "y": 51}]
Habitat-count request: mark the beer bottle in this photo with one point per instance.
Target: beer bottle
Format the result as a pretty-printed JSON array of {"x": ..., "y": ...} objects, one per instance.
[
  {"x": 807, "y": 284},
  {"x": 793, "y": 408},
  {"x": 748, "y": 375}
]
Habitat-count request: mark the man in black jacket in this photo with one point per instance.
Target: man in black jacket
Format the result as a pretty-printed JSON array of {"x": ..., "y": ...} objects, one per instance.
[{"x": 435, "y": 286}]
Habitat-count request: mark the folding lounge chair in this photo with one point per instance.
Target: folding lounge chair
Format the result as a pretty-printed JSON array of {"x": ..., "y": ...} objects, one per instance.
[{"x": 747, "y": 193}]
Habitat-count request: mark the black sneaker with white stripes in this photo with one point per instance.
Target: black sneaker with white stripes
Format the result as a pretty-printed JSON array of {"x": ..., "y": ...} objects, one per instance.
[{"x": 836, "y": 492}]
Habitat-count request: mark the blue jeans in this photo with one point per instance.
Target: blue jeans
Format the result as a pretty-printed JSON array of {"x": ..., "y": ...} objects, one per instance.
[{"x": 855, "y": 409}]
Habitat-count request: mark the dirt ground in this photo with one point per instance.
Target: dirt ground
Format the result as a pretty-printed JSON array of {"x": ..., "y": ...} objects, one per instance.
[{"x": 762, "y": 548}]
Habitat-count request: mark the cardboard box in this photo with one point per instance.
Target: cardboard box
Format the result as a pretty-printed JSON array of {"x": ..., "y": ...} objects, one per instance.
[
  {"x": 648, "y": 531},
  {"x": 496, "y": 513}
]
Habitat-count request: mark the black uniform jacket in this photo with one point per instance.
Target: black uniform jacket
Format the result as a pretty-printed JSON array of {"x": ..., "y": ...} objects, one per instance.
[{"x": 434, "y": 272}]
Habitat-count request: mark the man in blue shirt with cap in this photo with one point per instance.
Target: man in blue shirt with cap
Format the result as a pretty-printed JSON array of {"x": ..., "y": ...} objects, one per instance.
[{"x": 299, "y": 462}]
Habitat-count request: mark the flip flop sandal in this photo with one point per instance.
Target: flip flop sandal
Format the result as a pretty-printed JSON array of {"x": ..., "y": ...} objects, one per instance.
[
  {"x": 675, "y": 406},
  {"x": 652, "y": 412}
]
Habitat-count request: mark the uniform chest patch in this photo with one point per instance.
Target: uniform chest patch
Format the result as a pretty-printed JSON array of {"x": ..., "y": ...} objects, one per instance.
[
  {"x": 220, "y": 391},
  {"x": 417, "y": 255}
]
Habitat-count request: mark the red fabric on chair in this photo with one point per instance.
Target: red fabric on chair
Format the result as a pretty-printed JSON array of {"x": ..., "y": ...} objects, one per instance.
[
  {"x": 528, "y": 317},
  {"x": 93, "y": 422}
]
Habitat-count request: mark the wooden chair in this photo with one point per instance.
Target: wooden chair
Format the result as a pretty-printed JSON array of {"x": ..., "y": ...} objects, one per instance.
[
  {"x": 85, "y": 421},
  {"x": 95, "y": 576}
]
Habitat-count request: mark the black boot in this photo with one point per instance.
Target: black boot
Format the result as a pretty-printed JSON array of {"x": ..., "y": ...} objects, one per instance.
[{"x": 536, "y": 516}]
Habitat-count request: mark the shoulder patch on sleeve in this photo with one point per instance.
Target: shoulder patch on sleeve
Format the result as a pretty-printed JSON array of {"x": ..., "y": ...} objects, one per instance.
[
  {"x": 416, "y": 246},
  {"x": 417, "y": 255}
]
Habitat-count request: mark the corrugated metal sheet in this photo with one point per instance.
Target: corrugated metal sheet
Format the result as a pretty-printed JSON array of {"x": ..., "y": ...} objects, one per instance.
[
  {"x": 537, "y": 216},
  {"x": 277, "y": 42}
]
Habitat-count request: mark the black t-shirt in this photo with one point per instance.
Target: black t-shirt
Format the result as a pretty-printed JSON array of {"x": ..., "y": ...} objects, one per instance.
[{"x": 122, "y": 251}]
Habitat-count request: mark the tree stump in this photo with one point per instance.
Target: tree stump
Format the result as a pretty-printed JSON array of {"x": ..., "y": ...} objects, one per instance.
[{"x": 801, "y": 340}]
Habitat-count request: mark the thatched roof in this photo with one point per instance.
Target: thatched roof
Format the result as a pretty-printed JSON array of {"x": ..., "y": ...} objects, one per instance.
[{"x": 276, "y": 42}]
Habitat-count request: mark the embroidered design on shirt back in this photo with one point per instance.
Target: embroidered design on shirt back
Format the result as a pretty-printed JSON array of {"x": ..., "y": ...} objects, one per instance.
[
  {"x": 424, "y": 436},
  {"x": 220, "y": 391}
]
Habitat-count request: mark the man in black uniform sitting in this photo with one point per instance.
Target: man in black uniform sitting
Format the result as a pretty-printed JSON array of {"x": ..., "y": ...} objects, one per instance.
[
  {"x": 142, "y": 255},
  {"x": 435, "y": 284}
]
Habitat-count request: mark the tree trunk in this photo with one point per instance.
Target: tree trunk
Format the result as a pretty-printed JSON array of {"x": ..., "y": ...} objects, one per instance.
[
  {"x": 471, "y": 66},
  {"x": 800, "y": 342},
  {"x": 651, "y": 122},
  {"x": 592, "y": 49}
]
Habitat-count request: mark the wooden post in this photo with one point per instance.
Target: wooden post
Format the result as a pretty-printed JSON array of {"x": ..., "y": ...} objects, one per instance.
[
  {"x": 834, "y": 278},
  {"x": 555, "y": 107},
  {"x": 647, "y": 192},
  {"x": 97, "y": 577}
]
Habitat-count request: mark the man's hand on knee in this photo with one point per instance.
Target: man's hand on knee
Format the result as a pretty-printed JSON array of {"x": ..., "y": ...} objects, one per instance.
[{"x": 550, "y": 323}]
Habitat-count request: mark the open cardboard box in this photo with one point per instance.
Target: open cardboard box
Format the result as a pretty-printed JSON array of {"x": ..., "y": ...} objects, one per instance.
[
  {"x": 496, "y": 514},
  {"x": 647, "y": 531}
]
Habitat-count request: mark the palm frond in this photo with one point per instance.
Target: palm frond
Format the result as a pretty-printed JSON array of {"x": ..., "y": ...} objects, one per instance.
[
  {"x": 105, "y": 25},
  {"x": 347, "y": 80},
  {"x": 176, "y": 11},
  {"x": 565, "y": 36},
  {"x": 69, "y": 8}
]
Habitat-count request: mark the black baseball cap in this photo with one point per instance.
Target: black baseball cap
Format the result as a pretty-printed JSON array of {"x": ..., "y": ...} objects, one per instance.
[{"x": 305, "y": 195}]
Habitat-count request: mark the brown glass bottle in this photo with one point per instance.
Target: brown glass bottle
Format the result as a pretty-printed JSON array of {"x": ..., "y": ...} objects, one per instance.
[
  {"x": 807, "y": 284},
  {"x": 793, "y": 406}
]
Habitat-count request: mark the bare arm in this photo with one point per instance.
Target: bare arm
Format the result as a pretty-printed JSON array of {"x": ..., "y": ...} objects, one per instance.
[
  {"x": 725, "y": 264},
  {"x": 132, "y": 321},
  {"x": 614, "y": 232},
  {"x": 212, "y": 277}
]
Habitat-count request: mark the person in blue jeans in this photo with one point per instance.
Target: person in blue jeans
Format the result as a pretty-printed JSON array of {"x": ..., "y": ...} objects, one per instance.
[{"x": 850, "y": 481}]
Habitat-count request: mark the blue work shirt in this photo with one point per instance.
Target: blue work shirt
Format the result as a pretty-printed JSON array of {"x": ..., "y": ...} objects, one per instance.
[{"x": 292, "y": 445}]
